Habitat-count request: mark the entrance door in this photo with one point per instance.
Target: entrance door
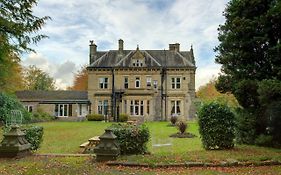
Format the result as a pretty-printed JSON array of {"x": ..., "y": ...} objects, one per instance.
[{"x": 63, "y": 110}]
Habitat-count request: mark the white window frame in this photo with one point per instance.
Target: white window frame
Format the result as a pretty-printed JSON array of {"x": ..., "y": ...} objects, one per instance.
[
  {"x": 29, "y": 108},
  {"x": 103, "y": 82},
  {"x": 175, "y": 84},
  {"x": 63, "y": 113},
  {"x": 126, "y": 82},
  {"x": 177, "y": 109},
  {"x": 137, "y": 79},
  {"x": 137, "y": 107},
  {"x": 103, "y": 107},
  {"x": 148, "y": 81},
  {"x": 155, "y": 84}
]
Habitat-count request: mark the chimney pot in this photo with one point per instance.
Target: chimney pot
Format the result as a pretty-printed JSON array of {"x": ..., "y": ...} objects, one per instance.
[
  {"x": 120, "y": 45},
  {"x": 93, "y": 51},
  {"x": 174, "y": 47}
]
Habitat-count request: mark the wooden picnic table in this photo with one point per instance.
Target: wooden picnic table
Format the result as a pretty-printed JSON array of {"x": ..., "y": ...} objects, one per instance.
[{"x": 94, "y": 141}]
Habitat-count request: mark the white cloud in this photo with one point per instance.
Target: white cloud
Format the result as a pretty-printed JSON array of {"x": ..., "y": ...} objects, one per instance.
[
  {"x": 205, "y": 73},
  {"x": 62, "y": 73},
  {"x": 151, "y": 24}
]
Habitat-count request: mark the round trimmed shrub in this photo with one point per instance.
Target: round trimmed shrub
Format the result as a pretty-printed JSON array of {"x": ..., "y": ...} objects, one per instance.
[
  {"x": 182, "y": 125},
  {"x": 95, "y": 117},
  {"x": 132, "y": 139},
  {"x": 216, "y": 126}
]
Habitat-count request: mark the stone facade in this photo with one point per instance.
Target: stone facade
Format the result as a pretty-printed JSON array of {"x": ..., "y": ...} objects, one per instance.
[
  {"x": 56, "y": 103},
  {"x": 152, "y": 85}
]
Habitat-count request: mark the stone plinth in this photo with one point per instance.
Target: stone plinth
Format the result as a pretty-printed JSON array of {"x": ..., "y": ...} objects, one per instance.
[
  {"x": 14, "y": 143},
  {"x": 108, "y": 148}
]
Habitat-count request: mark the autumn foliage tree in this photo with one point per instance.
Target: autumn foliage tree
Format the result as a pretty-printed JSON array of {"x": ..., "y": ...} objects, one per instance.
[
  {"x": 36, "y": 79},
  {"x": 208, "y": 92},
  {"x": 11, "y": 78},
  {"x": 19, "y": 28},
  {"x": 80, "y": 80}
]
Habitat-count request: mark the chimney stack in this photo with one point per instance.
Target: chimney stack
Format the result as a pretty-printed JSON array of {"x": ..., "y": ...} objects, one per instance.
[
  {"x": 174, "y": 47},
  {"x": 120, "y": 45},
  {"x": 93, "y": 51}
]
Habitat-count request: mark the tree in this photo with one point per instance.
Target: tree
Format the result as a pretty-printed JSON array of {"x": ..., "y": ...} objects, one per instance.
[
  {"x": 249, "y": 51},
  {"x": 18, "y": 26},
  {"x": 18, "y": 29},
  {"x": 36, "y": 79},
  {"x": 80, "y": 80},
  {"x": 208, "y": 92},
  {"x": 249, "y": 46},
  {"x": 10, "y": 75}
]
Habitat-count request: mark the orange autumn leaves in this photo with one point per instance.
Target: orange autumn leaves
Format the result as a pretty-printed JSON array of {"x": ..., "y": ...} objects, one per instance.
[
  {"x": 80, "y": 82},
  {"x": 208, "y": 92}
]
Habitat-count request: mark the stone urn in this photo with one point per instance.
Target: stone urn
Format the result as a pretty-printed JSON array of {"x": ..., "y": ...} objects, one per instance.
[
  {"x": 14, "y": 143},
  {"x": 108, "y": 148}
]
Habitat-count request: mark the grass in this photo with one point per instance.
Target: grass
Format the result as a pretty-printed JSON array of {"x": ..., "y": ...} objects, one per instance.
[{"x": 65, "y": 137}]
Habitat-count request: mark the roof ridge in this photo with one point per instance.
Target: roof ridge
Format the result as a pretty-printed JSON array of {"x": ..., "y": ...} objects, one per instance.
[
  {"x": 124, "y": 58},
  {"x": 152, "y": 58},
  {"x": 100, "y": 58},
  {"x": 184, "y": 59}
]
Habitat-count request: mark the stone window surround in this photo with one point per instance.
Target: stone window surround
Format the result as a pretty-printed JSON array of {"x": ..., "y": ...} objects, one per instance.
[
  {"x": 137, "y": 107},
  {"x": 176, "y": 82},
  {"x": 102, "y": 107},
  {"x": 103, "y": 82}
]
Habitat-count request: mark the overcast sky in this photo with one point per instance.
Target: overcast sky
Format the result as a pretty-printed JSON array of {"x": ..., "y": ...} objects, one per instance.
[{"x": 151, "y": 24}]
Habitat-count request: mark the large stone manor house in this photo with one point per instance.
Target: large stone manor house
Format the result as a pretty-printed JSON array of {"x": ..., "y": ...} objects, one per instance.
[{"x": 147, "y": 84}]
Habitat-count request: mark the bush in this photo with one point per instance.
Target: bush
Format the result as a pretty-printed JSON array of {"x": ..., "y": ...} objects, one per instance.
[
  {"x": 264, "y": 140},
  {"x": 123, "y": 117},
  {"x": 95, "y": 117},
  {"x": 132, "y": 139},
  {"x": 41, "y": 116},
  {"x": 34, "y": 135},
  {"x": 173, "y": 120},
  {"x": 216, "y": 126},
  {"x": 182, "y": 126},
  {"x": 245, "y": 130},
  {"x": 8, "y": 103}
]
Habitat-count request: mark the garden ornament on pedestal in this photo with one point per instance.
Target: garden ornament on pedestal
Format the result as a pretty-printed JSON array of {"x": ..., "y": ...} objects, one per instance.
[
  {"x": 14, "y": 143},
  {"x": 108, "y": 148}
]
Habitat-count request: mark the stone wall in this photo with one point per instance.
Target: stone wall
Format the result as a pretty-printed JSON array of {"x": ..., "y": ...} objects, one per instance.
[{"x": 185, "y": 94}]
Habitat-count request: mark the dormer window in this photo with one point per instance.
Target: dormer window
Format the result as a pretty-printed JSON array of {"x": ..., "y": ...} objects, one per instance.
[{"x": 137, "y": 63}]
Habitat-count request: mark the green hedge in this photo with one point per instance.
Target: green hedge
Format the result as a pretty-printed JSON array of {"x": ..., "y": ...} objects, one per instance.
[
  {"x": 132, "y": 139},
  {"x": 34, "y": 135},
  {"x": 123, "y": 117},
  {"x": 216, "y": 126},
  {"x": 41, "y": 117},
  {"x": 95, "y": 117}
]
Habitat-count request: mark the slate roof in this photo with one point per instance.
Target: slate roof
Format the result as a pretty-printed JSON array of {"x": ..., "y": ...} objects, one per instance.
[
  {"x": 29, "y": 95},
  {"x": 153, "y": 58}
]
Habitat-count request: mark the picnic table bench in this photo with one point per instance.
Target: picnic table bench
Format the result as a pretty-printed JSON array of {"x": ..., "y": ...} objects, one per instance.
[{"x": 90, "y": 145}]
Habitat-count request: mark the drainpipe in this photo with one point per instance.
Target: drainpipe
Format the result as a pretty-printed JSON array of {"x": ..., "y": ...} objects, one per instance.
[{"x": 113, "y": 98}]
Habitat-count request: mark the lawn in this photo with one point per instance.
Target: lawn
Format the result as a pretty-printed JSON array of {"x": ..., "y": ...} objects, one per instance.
[{"x": 65, "y": 137}]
